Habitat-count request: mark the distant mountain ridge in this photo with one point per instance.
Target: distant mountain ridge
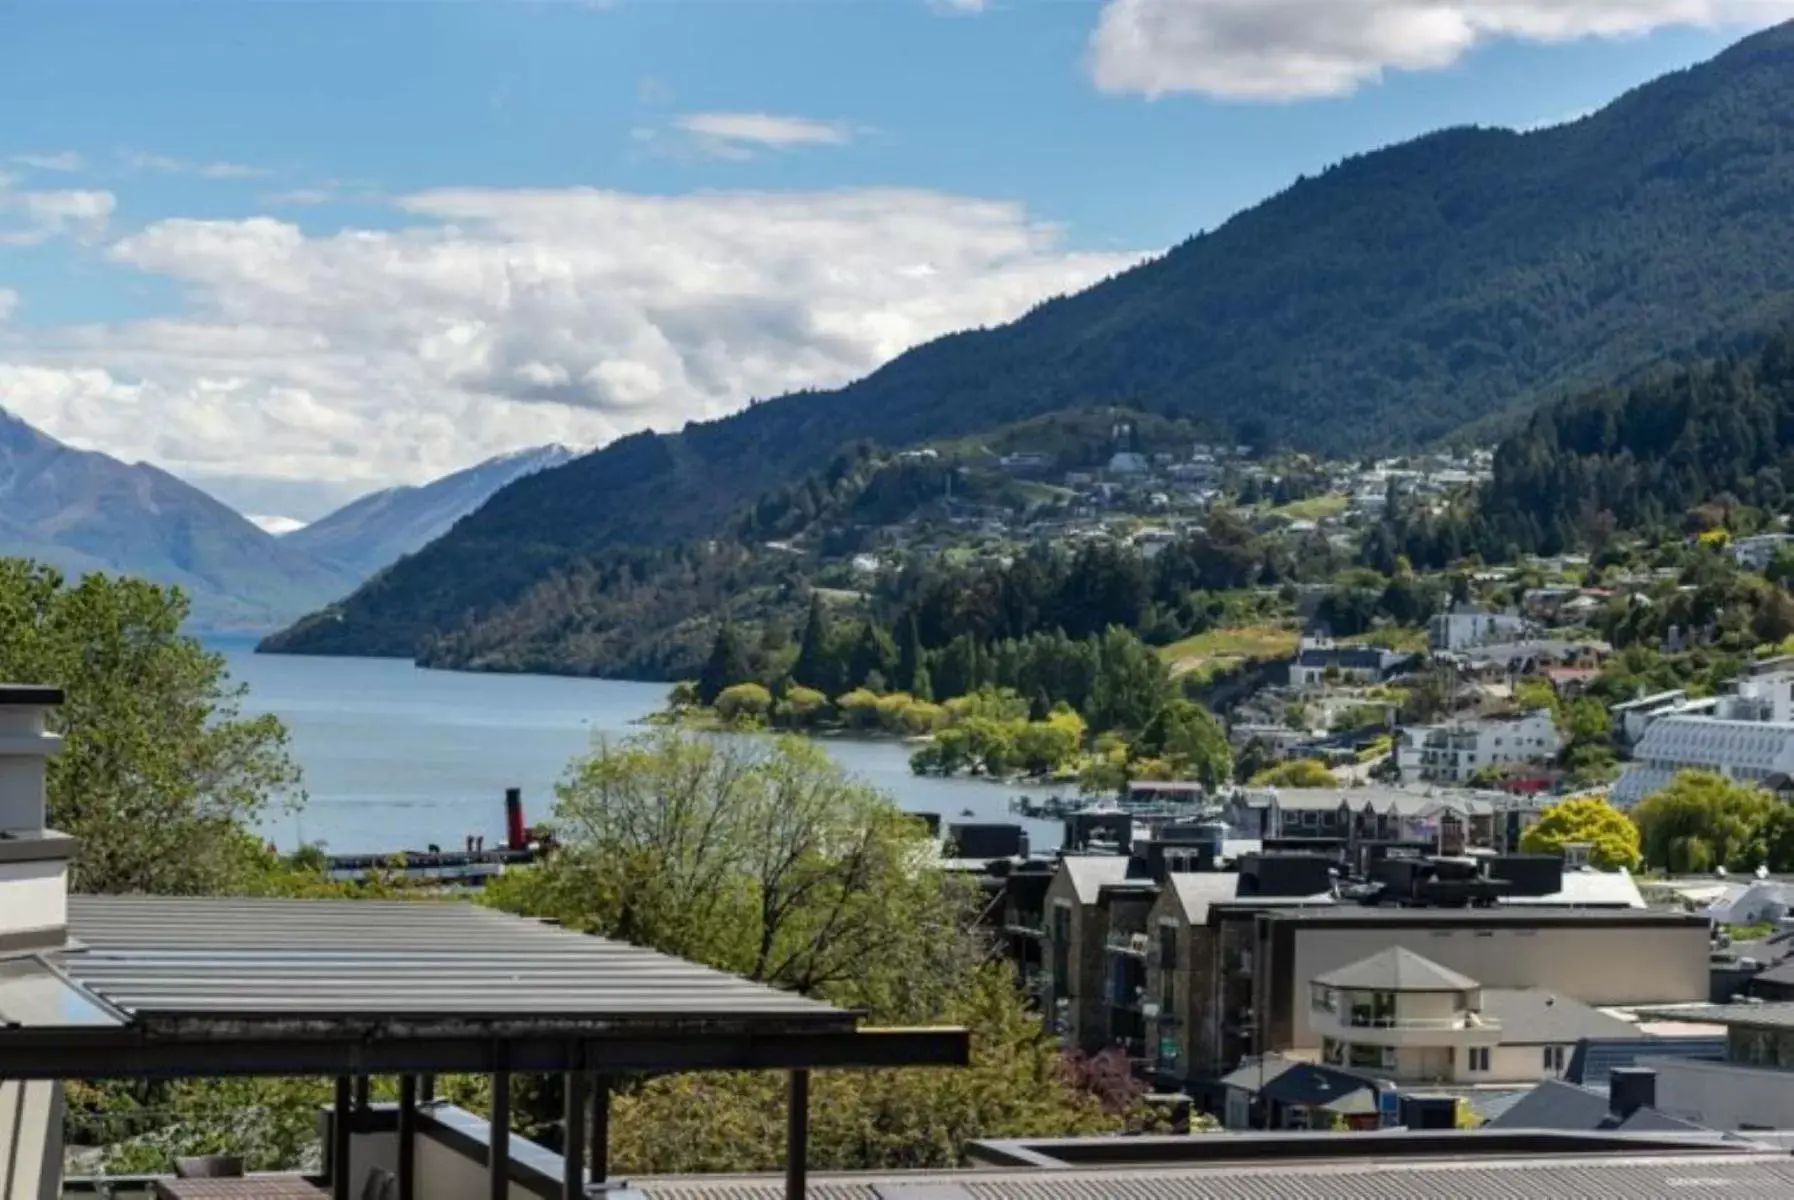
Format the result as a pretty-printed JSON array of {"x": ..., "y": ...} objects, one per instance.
[
  {"x": 83, "y": 511},
  {"x": 377, "y": 530},
  {"x": 1449, "y": 283}
]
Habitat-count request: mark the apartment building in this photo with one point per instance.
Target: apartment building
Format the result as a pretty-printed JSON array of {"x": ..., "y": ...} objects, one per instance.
[
  {"x": 1747, "y": 735},
  {"x": 1075, "y": 948},
  {"x": 1401, "y": 1016},
  {"x": 1355, "y": 825},
  {"x": 1454, "y": 752},
  {"x": 1466, "y": 626},
  {"x": 1600, "y": 956}
]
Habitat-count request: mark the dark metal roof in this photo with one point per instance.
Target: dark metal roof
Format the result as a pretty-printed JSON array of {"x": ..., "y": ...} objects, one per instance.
[
  {"x": 1593, "y": 1061},
  {"x": 1669, "y": 1177},
  {"x": 160, "y": 958}
]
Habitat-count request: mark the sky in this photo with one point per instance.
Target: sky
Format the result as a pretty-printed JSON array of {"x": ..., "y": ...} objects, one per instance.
[{"x": 297, "y": 250}]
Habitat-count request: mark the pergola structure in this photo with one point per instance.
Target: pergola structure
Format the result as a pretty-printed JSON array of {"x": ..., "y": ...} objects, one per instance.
[{"x": 153, "y": 987}]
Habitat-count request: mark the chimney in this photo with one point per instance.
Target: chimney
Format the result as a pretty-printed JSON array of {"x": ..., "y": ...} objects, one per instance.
[
  {"x": 1630, "y": 1089},
  {"x": 33, "y": 860},
  {"x": 515, "y": 834}
]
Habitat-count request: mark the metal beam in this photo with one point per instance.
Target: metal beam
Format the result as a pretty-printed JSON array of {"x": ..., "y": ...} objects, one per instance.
[
  {"x": 601, "y": 1129},
  {"x": 573, "y": 1135},
  {"x": 498, "y": 1152},
  {"x": 132, "y": 1055},
  {"x": 339, "y": 1140},
  {"x": 797, "y": 1136},
  {"x": 407, "y": 1137}
]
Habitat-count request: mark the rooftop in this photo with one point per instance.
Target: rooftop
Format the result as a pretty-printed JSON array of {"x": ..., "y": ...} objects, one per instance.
[
  {"x": 1694, "y": 1171},
  {"x": 1535, "y": 1016},
  {"x": 338, "y": 987},
  {"x": 1397, "y": 969}
]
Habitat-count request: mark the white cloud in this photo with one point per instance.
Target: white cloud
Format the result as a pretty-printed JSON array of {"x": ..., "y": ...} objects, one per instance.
[
  {"x": 743, "y": 135},
  {"x": 9, "y": 303},
  {"x": 64, "y": 160},
  {"x": 337, "y": 363},
  {"x": 278, "y": 525},
  {"x": 1295, "y": 49},
  {"x": 31, "y": 218},
  {"x": 205, "y": 170},
  {"x": 300, "y": 197}
]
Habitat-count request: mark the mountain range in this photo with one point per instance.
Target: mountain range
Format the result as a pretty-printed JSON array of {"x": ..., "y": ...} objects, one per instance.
[
  {"x": 380, "y": 528},
  {"x": 82, "y": 512},
  {"x": 1435, "y": 289}
]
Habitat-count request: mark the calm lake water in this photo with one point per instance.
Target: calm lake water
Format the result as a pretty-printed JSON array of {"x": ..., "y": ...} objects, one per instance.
[{"x": 396, "y": 758}]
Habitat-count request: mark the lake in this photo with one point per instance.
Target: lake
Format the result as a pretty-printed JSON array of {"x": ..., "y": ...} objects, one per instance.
[{"x": 396, "y": 758}]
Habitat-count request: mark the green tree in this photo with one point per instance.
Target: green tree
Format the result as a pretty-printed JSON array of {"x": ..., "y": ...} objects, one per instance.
[
  {"x": 909, "y": 655},
  {"x": 1298, "y": 773},
  {"x": 1702, "y": 820},
  {"x": 1611, "y": 836},
  {"x": 873, "y": 656},
  {"x": 160, "y": 775},
  {"x": 726, "y": 666},
  {"x": 1132, "y": 683},
  {"x": 744, "y": 703},
  {"x": 801, "y": 707},
  {"x": 1190, "y": 736},
  {"x": 1017, "y": 1085},
  {"x": 815, "y": 666},
  {"x": 763, "y": 859}
]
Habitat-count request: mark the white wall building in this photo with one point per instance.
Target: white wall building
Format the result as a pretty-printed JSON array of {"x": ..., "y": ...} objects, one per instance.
[
  {"x": 1402, "y": 1016},
  {"x": 1467, "y": 626},
  {"x": 1749, "y": 737},
  {"x": 1756, "y": 553},
  {"x": 1453, "y": 752}
]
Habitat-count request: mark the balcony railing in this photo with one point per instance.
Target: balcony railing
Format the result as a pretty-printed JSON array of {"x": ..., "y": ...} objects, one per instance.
[
  {"x": 1136, "y": 944},
  {"x": 1467, "y": 1020},
  {"x": 1027, "y": 924}
]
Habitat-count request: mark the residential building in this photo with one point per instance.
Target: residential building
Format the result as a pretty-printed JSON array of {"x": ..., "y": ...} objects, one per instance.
[
  {"x": 1746, "y": 735},
  {"x": 1401, "y": 1016},
  {"x": 1600, "y": 956},
  {"x": 1755, "y": 553},
  {"x": 1454, "y": 752},
  {"x": 1353, "y": 825},
  {"x": 1632, "y": 718},
  {"x": 1075, "y": 948},
  {"x": 1628, "y": 1106},
  {"x": 1466, "y": 626},
  {"x": 1321, "y": 661}
]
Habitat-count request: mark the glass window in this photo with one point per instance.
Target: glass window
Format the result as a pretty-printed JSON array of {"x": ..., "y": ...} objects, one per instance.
[
  {"x": 1477, "y": 1058},
  {"x": 1554, "y": 1059}
]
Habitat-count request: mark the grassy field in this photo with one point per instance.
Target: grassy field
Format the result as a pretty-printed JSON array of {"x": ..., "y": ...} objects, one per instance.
[
  {"x": 1315, "y": 508},
  {"x": 1217, "y": 648},
  {"x": 1408, "y": 640}
]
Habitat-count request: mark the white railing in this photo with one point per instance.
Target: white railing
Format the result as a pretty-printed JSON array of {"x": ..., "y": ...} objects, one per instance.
[{"x": 1359, "y": 1021}]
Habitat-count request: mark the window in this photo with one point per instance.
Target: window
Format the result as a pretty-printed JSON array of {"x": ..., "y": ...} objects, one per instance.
[
  {"x": 1554, "y": 1059},
  {"x": 1477, "y": 1058},
  {"x": 1333, "y": 1052},
  {"x": 1375, "y": 1057}
]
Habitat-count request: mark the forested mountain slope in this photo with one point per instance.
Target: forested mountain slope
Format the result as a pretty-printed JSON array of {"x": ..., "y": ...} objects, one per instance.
[{"x": 1401, "y": 296}]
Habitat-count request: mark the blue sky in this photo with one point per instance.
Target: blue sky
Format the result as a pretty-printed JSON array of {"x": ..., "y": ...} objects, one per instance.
[{"x": 294, "y": 251}]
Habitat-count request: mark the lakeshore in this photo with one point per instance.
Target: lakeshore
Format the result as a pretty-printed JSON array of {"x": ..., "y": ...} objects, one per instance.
[{"x": 397, "y": 757}]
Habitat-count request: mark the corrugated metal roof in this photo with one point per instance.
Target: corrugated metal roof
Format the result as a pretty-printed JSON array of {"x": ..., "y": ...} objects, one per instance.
[
  {"x": 1671, "y": 1177},
  {"x": 169, "y": 958}
]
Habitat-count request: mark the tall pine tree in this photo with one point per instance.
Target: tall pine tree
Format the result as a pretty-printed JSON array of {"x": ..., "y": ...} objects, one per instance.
[
  {"x": 815, "y": 665},
  {"x": 909, "y": 654},
  {"x": 727, "y": 666}
]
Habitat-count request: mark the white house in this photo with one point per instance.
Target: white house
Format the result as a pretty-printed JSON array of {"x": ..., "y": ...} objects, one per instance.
[
  {"x": 1467, "y": 625},
  {"x": 1457, "y": 750},
  {"x": 1756, "y": 553},
  {"x": 1127, "y": 462}
]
